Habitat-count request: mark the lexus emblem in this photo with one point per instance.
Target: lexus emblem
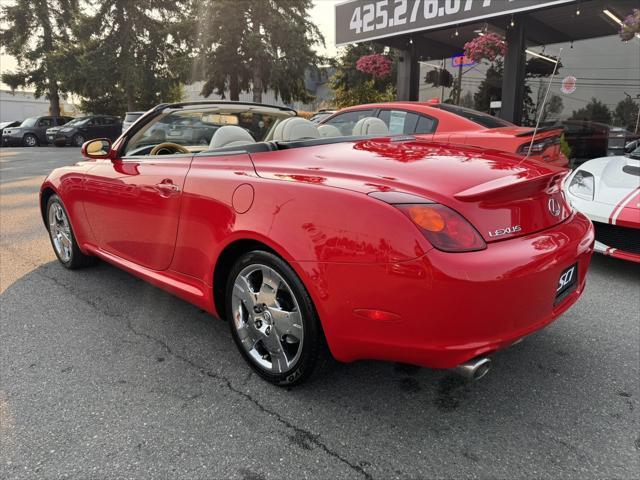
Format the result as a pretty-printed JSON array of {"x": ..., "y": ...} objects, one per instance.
[{"x": 554, "y": 207}]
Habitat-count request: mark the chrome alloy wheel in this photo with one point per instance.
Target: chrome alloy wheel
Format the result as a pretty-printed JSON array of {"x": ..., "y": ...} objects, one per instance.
[
  {"x": 60, "y": 232},
  {"x": 267, "y": 318}
]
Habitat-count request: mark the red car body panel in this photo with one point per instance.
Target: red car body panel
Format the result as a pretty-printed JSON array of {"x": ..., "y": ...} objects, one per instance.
[
  {"x": 353, "y": 252},
  {"x": 458, "y": 130}
]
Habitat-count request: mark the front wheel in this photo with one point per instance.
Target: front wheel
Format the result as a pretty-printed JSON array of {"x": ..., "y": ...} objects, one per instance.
[
  {"x": 272, "y": 318},
  {"x": 62, "y": 238},
  {"x": 30, "y": 140},
  {"x": 78, "y": 140}
]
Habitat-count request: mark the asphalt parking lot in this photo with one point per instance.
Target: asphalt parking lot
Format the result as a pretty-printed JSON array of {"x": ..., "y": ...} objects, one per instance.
[{"x": 103, "y": 376}]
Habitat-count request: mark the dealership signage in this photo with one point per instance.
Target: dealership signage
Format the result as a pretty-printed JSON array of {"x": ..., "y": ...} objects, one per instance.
[{"x": 359, "y": 20}]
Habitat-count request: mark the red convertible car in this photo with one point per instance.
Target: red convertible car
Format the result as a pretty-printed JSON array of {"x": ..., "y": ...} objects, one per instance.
[
  {"x": 442, "y": 122},
  {"x": 388, "y": 248}
]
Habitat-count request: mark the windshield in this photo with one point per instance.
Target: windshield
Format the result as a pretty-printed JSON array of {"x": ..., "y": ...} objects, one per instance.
[
  {"x": 480, "y": 118},
  {"x": 635, "y": 154},
  {"x": 29, "y": 122},
  {"x": 194, "y": 128},
  {"x": 76, "y": 121}
]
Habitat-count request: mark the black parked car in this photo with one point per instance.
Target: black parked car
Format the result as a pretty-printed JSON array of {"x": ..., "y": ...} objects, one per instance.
[
  {"x": 81, "y": 129},
  {"x": 4, "y": 125},
  {"x": 32, "y": 132}
]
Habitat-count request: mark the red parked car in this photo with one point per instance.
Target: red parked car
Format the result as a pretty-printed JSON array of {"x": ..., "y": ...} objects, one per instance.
[
  {"x": 442, "y": 122},
  {"x": 383, "y": 248}
]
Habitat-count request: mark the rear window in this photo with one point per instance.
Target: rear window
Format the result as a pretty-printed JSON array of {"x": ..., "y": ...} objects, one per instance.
[
  {"x": 132, "y": 117},
  {"x": 399, "y": 122},
  {"x": 480, "y": 118}
]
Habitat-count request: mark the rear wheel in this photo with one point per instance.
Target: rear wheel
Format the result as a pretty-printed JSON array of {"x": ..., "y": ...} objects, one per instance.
[
  {"x": 78, "y": 140},
  {"x": 30, "y": 140},
  {"x": 62, "y": 238},
  {"x": 272, "y": 318}
]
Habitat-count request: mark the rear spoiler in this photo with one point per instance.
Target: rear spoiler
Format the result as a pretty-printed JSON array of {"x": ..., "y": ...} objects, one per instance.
[
  {"x": 528, "y": 133},
  {"x": 513, "y": 183}
]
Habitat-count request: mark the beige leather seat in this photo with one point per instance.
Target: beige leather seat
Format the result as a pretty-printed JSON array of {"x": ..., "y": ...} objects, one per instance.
[
  {"x": 230, "y": 136},
  {"x": 295, "y": 128},
  {"x": 329, "y": 131},
  {"x": 370, "y": 126}
]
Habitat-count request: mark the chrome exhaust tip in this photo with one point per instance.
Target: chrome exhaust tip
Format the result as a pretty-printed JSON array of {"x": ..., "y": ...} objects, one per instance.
[{"x": 474, "y": 369}]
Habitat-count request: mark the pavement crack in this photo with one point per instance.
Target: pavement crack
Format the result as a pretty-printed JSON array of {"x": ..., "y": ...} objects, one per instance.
[{"x": 307, "y": 438}]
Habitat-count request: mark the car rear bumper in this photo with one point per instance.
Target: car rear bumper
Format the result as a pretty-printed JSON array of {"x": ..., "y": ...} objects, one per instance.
[{"x": 443, "y": 309}]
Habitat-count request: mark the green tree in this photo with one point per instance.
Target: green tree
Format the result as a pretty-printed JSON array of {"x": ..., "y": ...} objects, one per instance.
[
  {"x": 35, "y": 31},
  {"x": 353, "y": 87},
  {"x": 130, "y": 54},
  {"x": 490, "y": 88},
  {"x": 595, "y": 111},
  {"x": 626, "y": 113},
  {"x": 257, "y": 44}
]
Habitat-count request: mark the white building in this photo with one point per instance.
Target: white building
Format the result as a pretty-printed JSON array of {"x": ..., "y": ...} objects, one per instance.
[{"x": 19, "y": 105}]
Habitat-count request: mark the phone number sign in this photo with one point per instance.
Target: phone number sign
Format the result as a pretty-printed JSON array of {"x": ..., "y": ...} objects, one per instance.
[{"x": 360, "y": 20}]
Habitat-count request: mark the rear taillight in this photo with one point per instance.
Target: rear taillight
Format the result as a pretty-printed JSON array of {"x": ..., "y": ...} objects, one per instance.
[
  {"x": 538, "y": 146},
  {"x": 445, "y": 229}
]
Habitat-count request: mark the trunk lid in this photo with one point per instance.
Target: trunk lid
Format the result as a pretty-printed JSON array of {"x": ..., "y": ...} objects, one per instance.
[{"x": 502, "y": 195}]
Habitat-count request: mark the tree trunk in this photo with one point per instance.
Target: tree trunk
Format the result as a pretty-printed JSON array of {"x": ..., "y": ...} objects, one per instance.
[
  {"x": 257, "y": 87},
  {"x": 131, "y": 98},
  {"x": 234, "y": 88},
  {"x": 54, "y": 99}
]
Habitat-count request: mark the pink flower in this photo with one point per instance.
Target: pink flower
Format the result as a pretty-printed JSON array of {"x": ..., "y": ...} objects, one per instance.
[
  {"x": 488, "y": 46},
  {"x": 376, "y": 65}
]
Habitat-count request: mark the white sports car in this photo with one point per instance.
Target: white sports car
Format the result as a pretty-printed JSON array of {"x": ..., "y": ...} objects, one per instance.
[{"x": 607, "y": 190}]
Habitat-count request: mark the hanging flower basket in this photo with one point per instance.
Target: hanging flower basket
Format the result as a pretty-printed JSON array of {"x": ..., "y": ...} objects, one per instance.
[
  {"x": 630, "y": 25},
  {"x": 376, "y": 65},
  {"x": 485, "y": 47},
  {"x": 439, "y": 78}
]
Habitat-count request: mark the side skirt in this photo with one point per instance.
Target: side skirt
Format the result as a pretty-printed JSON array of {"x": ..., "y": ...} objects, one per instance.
[{"x": 183, "y": 286}]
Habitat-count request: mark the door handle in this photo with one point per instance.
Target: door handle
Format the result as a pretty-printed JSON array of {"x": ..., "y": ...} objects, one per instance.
[{"x": 167, "y": 187}]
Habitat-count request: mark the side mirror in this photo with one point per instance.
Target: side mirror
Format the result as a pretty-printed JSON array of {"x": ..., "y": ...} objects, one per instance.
[{"x": 98, "y": 148}]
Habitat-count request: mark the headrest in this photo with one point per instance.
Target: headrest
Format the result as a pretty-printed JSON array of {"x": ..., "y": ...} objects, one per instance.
[
  {"x": 230, "y": 136},
  {"x": 295, "y": 128},
  {"x": 370, "y": 126},
  {"x": 329, "y": 131}
]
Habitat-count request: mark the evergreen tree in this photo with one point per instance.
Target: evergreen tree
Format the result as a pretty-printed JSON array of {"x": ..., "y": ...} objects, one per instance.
[
  {"x": 626, "y": 114},
  {"x": 35, "y": 32},
  {"x": 129, "y": 55},
  {"x": 595, "y": 111},
  {"x": 260, "y": 44}
]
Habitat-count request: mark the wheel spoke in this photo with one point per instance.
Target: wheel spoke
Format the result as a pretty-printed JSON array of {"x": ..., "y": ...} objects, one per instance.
[
  {"x": 269, "y": 287},
  {"x": 279, "y": 362},
  {"x": 242, "y": 290},
  {"x": 287, "y": 323},
  {"x": 246, "y": 337}
]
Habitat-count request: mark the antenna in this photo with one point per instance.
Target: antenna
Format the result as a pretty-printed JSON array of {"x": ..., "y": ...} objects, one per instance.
[{"x": 544, "y": 103}]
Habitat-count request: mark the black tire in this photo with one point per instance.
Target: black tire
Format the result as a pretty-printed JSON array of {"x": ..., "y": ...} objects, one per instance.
[
  {"x": 77, "y": 140},
  {"x": 313, "y": 345},
  {"x": 30, "y": 140},
  {"x": 77, "y": 258}
]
